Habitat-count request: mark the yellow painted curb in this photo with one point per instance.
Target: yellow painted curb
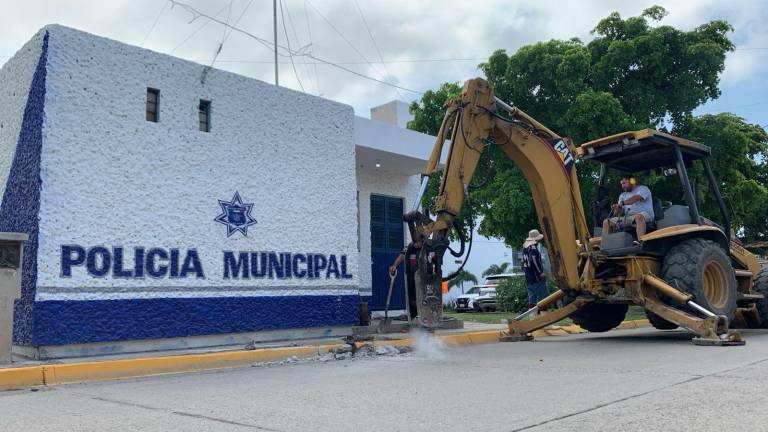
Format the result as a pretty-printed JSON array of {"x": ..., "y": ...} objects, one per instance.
[
  {"x": 634, "y": 324},
  {"x": 21, "y": 377},
  {"x": 68, "y": 373}
]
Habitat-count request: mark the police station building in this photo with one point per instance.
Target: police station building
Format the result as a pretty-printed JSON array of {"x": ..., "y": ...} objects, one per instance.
[{"x": 170, "y": 205}]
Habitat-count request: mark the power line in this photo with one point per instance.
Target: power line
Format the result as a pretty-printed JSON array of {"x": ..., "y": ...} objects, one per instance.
[
  {"x": 237, "y": 21},
  {"x": 338, "y": 32},
  {"x": 311, "y": 44},
  {"x": 196, "y": 31},
  {"x": 197, "y": 14},
  {"x": 307, "y": 69},
  {"x": 375, "y": 45},
  {"x": 288, "y": 42},
  {"x": 229, "y": 14},
  {"x": 224, "y": 37},
  {"x": 438, "y": 60},
  {"x": 208, "y": 68},
  {"x": 154, "y": 24}
]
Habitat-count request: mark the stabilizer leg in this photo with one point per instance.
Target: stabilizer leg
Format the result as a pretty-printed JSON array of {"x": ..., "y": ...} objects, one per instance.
[
  {"x": 521, "y": 330},
  {"x": 710, "y": 331}
]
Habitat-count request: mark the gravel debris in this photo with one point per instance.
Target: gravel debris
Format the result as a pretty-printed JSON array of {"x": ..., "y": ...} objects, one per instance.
[{"x": 344, "y": 352}]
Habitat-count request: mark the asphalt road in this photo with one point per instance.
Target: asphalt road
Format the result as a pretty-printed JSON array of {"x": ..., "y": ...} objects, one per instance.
[{"x": 633, "y": 380}]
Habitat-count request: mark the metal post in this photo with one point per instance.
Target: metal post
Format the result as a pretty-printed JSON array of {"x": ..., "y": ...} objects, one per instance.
[
  {"x": 507, "y": 107},
  {"x": 603, "y": 174},
  {"x": 718, "y": 197},
  {"x": 422, "y": 189},
  {"x": 683, "y": 173},
  {"x": 699, "y": 308},
  {"x": 274, "y": 22}
]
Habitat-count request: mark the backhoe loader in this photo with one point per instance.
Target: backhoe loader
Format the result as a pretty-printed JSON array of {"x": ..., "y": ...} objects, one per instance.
[{"x": 685, "y": 271}]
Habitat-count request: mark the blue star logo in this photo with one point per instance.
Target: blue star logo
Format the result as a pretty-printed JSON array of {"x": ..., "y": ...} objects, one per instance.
[{"x": 236, "y": 215}]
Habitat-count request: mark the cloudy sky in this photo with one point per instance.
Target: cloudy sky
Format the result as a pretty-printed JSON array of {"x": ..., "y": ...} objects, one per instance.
[
  {"x": 422, "y": 43},
  {"x": 414, "y": 44}
]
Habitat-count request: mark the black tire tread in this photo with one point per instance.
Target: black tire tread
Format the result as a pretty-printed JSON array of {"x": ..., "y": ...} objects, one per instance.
[
  {"x": 761, "y": 287},
  {"x": 682, "y": 261},
  {"x": 600, "y": 317},
  {"x": 659, "y": 322}
]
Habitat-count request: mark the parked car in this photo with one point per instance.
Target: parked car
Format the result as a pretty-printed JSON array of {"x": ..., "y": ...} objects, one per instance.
[
  {"x": 486, "y": 300},
  {"x": 482, "y": 298},
  {"x": 466, "y": 301}
]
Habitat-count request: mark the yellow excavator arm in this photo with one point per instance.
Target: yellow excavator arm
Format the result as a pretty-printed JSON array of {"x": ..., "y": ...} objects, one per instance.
[
  {"x": 547, "y": 160},
  {"x": 597, "y": 300}
]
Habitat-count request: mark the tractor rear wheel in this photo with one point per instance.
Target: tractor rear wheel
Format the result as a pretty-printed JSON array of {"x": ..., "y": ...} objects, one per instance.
[
  {"x": 701, "y": 268},
  {"x": 600, "y": 317},
  {"x": 761, "y": 287}
]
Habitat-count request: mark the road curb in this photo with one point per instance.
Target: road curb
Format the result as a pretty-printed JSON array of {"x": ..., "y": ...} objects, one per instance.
[{"x": 12, "y": 378}]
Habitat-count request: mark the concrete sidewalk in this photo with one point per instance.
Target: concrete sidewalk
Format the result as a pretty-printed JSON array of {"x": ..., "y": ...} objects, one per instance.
[{"x": 28, "y": 373}]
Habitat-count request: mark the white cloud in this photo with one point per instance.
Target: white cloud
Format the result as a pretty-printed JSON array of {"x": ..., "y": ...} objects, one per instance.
[{"x": 403, "y": 30}]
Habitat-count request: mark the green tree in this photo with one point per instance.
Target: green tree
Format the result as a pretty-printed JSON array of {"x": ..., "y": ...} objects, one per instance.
[
  {"x": 740, "y": 164},
  {"x": 463, "y": 276},
  {"x": 428, "y": 112},
  {"x": 635, "y": 73},
  {"x": 496, "y": 269}
]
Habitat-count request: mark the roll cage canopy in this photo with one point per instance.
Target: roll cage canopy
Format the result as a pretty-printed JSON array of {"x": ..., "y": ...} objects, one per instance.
[
  {"x": 642, "y": 150},
  {"x": 648, "y": 149}
]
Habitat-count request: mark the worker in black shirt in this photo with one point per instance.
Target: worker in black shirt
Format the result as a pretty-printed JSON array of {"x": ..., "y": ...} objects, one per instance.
[{"x": 535, "y": 280}]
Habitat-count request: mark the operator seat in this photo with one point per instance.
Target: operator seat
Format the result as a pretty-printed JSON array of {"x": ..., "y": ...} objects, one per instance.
[{"x": 625, "y": 240}]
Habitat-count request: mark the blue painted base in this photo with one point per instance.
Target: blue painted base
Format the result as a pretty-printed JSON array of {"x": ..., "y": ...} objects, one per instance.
[{"x": 76, "y": 322}]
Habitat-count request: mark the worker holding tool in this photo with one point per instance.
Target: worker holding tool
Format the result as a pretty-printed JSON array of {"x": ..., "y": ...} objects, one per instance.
[
  {"x": 398, "y": 260},
  {"x": 535, "y": 280},
  {"x": 410, "y": 283}
]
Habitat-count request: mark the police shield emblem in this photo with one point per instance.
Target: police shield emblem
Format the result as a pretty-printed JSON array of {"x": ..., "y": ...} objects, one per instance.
[{"x": 236, "y": 215}]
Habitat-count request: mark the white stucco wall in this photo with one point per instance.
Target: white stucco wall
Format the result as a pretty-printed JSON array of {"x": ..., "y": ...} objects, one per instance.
[
  {"x": 379, "y": 182},
  {"x": 15, "y": 79},
  {"x": 111, "y": 178}
]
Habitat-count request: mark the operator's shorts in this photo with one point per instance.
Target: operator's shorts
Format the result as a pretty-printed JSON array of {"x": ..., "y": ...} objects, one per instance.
[{"x": 622, "y": 220}]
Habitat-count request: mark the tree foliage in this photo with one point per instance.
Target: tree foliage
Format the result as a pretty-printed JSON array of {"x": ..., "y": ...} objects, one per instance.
[
  {"x": 461, "y": 277},
  {"x": 512, "y": 295},
  {"x": 635, "y": 73},
  {"x": 496, "y": 269},
  {"x": 428, "y": 112},
  {"x": 740, "y": 164}
]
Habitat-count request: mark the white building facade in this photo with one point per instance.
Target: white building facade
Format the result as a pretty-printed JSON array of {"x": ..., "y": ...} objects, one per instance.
[{"x": 227, "y": 209}]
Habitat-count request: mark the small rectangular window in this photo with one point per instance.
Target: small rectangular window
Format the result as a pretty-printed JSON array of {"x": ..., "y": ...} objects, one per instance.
[
  {"x": 153, "y": 97},
  {"x": 204, "y": 114}
]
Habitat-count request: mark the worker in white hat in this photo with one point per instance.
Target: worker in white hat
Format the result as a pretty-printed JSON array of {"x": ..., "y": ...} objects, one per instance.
[{"x": 535, "y": 279}]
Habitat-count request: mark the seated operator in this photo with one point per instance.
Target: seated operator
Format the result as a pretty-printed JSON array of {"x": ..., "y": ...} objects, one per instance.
[{"x": 635, "y": 206}]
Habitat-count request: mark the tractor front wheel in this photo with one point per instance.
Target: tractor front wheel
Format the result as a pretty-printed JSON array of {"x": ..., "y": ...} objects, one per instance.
[{"x": 600, "y": 317}]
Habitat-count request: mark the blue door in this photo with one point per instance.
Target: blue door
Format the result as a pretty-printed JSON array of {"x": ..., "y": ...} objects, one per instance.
[{"x": 387, "y": 234}]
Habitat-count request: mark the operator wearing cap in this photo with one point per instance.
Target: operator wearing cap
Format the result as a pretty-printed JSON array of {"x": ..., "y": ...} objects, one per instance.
[{"x": 635, "y": 206}]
